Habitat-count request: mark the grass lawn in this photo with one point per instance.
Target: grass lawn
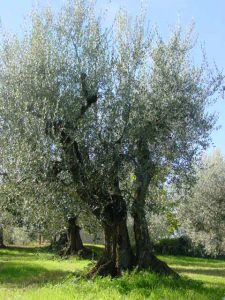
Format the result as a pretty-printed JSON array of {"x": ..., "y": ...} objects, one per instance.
[{"x": 33, "y": 273}]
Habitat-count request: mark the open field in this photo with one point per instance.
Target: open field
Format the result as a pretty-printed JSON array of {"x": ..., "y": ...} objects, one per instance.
[{"x": 33, "y": 273}]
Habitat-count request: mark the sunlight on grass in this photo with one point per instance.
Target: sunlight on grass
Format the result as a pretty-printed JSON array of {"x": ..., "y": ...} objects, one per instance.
[{"x": 32, "y": 274}]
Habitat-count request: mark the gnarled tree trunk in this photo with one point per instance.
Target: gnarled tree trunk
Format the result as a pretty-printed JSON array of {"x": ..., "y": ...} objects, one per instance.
[
  {"x": 74, "y": 242},
  {"x": 118, "y": 254}
]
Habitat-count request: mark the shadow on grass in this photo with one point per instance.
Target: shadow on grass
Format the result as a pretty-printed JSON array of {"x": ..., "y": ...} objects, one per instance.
[
  {"x": 28, "y": 249},
  {"x": 27, "y": 273},
  {"x": 203, "y": 271},
  {"x": 194, "y": 261},
  {"x": 22, "y": 274},
  {"x": 24, "y": 266},
  {"x": 28, "y": 254}
]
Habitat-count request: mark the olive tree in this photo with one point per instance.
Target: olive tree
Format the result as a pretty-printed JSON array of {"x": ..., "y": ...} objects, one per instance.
[{"x": 102, "y": 106}]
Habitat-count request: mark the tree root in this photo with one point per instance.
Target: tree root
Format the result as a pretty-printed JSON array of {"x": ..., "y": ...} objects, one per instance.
[
  {"x": 107, "y": 267},
  {"x": 152, "y": 263},
  {"x": 103, "y": 268},
  {"x": 160, "y": 267}
]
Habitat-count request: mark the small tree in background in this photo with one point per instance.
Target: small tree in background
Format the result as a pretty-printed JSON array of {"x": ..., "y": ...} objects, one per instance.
[{"x": 1, "y": 237}]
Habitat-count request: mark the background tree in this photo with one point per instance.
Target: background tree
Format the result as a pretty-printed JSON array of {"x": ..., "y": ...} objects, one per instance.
[
  {"x": 161, "y": 212},
  {"x": 202, "y": 211}
]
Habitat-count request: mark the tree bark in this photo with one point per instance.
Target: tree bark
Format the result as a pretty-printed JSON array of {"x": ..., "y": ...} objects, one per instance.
[
  {"x": 2, "y": 245},
  {"x": 142, "y": 239},
  {"x": 145, "y": 258},
  {"x": 124, "y": 253}
]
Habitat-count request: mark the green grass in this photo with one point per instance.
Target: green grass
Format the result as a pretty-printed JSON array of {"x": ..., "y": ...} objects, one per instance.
[{"x": 34, "y": 273}]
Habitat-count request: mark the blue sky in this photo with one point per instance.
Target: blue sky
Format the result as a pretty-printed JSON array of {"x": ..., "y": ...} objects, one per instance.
[{"x": 209, "y": 17}]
